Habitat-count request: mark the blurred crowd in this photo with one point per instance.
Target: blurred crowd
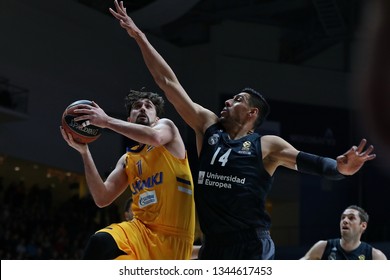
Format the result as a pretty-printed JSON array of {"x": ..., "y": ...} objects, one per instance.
[{"x": 33, "y": 227}]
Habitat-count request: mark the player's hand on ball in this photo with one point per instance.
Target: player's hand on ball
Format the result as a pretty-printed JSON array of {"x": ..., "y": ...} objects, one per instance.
[{"x": 80, "y": 147}]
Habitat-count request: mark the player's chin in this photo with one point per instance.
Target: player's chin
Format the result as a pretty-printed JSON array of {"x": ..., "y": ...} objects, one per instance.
[
  {"x": 222, "y": 119},
  {"x": 143, "y": 121}
]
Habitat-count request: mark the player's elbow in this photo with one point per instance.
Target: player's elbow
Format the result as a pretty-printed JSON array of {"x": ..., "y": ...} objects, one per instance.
[
  {"x": 167, "y": 84},
  {"x": 100, "y": 204},
  {"x": 162, "y": 81},
  {"x": 101, "y": 201}
]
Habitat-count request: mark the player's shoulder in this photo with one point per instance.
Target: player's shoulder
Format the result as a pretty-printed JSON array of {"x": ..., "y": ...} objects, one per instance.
[
  {"x": 165, "y": 120},
  {"x": 274, "y": 142},
  {"x": 166, "y": 123},
  {"x": 316, "y": 251},
  {"x": 319, "y": 248},
  {"x": 321, "y": 244},
  {"x": 378, "y": 254},
  {"x": 272, "y": 138}
]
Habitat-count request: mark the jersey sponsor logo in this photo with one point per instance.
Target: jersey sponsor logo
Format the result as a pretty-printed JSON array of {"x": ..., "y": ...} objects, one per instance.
[
  {"x": 246, "y": 146},
  {"x": 213, "y": 139},
  {"x": 245, "y": 149},
  {"x": 219, "y": 185},
  {"x": 362, "y": 257},
  {"x": 201, "y": 177},
  {"x": 217, "y": 180},
  {"x": 147, "y": 198},
  {"x": 148, "y": 183}
]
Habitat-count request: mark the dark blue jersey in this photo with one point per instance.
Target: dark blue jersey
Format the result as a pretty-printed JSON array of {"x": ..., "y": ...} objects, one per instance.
[
  {"x": 232, "y": 183},
  {"x": 333, "y": 251}
]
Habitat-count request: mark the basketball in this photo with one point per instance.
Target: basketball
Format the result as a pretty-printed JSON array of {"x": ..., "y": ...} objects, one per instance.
[{"x": 79, "y": 133}]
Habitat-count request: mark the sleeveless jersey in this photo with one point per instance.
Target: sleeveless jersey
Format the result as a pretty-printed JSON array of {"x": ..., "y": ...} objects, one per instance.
[
  {"x": 232, "y": 183},
  {"x": 333, "y": 251},
  {"x": 162, "y": 189}
]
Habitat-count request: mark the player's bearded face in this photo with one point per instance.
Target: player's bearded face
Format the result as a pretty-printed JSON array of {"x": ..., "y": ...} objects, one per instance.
[
  {"x": 142, "y": 118},
  {"x": 143, "y": 112}
]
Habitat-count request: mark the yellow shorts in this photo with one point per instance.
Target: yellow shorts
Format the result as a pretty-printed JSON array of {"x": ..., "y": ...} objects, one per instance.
[{"x": 141, "y": 243}]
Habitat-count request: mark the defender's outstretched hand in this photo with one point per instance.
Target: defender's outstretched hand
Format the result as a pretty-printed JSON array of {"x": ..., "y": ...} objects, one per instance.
[
  {"x": 351, "y": 161},
  {"x": 125, "y": 21}
]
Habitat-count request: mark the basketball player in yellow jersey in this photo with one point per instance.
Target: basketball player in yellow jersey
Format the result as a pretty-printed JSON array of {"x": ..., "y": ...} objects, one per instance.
[{"x": 158, "y": 174}]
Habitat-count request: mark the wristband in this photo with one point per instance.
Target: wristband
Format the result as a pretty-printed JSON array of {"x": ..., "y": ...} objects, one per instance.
[{"x": 316, "y": 165}]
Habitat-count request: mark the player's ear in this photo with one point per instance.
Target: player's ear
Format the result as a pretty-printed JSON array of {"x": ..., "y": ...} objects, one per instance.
[
  {"x": 253, "y": 112},
  {"x": 364, "y": 226}
]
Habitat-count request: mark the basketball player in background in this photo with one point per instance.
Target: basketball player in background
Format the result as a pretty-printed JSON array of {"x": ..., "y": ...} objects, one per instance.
[
  {"x": 236, "y": 164},
  {"x": 158, "y": 174},
  {"x": 353, "y": 224}
]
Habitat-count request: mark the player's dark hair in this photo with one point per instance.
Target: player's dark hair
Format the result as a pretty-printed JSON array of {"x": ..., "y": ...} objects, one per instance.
[
  {"x": 362, "y": 213},
  {"x": 136, "y": 95},
  {"x": 257, "y": 100}
]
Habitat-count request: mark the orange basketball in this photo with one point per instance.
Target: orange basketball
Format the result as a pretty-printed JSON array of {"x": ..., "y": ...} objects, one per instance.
[{"x": 79, "y": 133}]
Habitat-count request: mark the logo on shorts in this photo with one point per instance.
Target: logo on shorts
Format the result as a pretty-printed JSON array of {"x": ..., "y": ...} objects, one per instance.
[{"x": 147, "y": 198}]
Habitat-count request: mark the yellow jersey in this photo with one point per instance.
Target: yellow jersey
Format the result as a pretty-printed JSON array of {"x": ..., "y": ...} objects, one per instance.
[{"x": 162, "y": 188}]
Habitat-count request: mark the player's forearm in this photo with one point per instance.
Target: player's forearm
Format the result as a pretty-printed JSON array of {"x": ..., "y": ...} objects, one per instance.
[
  {"x": 193, "y": 114},
  {"x": 162, "y": 73},
  {"x": 139, "y": 133},
  {"x": 94, "y": 181}
]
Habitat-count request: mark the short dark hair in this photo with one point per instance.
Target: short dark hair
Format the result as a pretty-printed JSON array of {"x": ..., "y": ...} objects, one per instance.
[
  {"x": 257, "y": 100},
  {"x": 362, "y": 213},
  {"x": 136, "y": 95}
]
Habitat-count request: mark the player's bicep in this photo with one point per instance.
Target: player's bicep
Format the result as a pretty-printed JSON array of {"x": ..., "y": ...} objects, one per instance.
[
  {"x": 279, "y": 151},
  {"x": 378, "y": 255}
]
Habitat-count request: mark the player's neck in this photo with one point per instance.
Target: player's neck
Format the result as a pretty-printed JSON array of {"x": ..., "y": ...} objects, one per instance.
[
  {"x": 237, "y": 132},
  {"x": 235, "y": 136},
  {"x": 349, "y": 244}
]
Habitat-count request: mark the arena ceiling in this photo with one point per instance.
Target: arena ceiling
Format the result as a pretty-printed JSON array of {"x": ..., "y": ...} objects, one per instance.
[{"x": 308, "y": 25}]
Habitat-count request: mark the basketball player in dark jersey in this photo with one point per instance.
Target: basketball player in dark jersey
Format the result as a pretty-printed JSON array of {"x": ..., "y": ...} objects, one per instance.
[
  {"x": 353, "y": 224},
  {"x": 236, "y": 165}
]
